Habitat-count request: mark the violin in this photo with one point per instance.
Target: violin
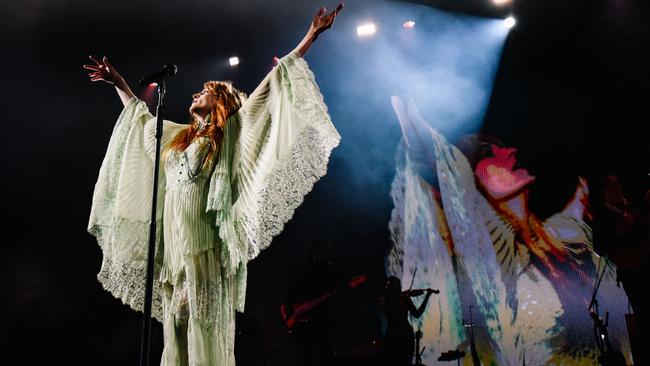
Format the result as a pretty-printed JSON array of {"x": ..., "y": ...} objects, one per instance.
[{"x": 419, "y": 292}]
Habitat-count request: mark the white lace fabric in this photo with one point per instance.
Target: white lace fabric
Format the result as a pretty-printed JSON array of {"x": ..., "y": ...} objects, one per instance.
[{"x": 284, "y": 138}]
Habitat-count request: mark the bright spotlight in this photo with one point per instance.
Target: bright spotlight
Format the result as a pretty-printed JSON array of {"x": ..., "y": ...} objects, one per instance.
[
  {"x": 366, "y": 30},
  {"x": 234, "y": 61},
  {"x": 409, "y": 24},
  {"x": 154, "y": 84},
  {"x": 510, "y": 22},
  {"x": 501, "y": 2}
]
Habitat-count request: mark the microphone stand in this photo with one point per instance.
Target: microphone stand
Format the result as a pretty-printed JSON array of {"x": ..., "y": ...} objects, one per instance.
[
  {"x": 608, "y": 355},
  {"x": 475, "y": 358},
  {"x": 148, "y": 297},
  {"x": 418, "y": 351}
]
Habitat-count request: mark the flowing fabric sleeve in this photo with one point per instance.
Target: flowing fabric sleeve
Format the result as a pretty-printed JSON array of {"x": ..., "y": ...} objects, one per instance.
[
  {"x": 462, "y": 207},
  {"x": 121, "y": 206},
  {"x": 275, "y": 149},
  {"x": 422, "y": 254}
]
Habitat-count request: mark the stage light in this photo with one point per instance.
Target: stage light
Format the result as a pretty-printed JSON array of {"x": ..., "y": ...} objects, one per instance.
[
  {"x": 365, "y": 30},
  {"x": 234, "y": 61},
  {"x": 510, "y": 22},
  {"x": 409, "y": 24},
  {"x": 501, "y": 2},
  {"x": 153, "y": 84}
]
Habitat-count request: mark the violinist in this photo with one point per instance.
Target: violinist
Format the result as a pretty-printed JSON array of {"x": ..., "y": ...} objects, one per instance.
[{"x": 399, "y": 341}]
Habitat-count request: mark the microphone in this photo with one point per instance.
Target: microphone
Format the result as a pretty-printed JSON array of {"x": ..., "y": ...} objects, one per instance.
[{"x": 166, "y": 72}]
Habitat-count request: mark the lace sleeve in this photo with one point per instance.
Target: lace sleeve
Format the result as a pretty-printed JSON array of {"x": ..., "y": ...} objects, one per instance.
[
  {"x": 281, "y": 143},
  {"x": 422, "y": 253},
  {"x": 121, "y": 209}
]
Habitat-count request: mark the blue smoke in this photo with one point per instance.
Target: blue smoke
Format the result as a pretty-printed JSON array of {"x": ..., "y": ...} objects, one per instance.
[{"x": 447, "y": 63}]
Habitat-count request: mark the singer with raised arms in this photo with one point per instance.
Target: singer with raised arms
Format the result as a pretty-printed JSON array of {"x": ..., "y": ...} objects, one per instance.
[{"x": 229, "y": 181}]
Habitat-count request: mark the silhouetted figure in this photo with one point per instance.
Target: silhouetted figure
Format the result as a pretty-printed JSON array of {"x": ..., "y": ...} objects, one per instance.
[
  {"x": 399, "y": 342},
  {"x": 621, "y": 231},
  {"x": 313, "y": 332}
]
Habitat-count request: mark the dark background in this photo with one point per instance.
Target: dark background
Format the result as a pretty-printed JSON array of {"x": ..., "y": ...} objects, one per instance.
[{"x": 571, "y": 91}]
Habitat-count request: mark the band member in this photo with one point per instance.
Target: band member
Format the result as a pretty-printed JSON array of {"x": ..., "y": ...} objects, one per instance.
[{"x": 396, "y": 305}]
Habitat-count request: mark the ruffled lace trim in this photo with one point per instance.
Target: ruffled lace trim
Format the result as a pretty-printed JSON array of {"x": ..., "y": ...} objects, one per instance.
[
  {"x": 123, "y": 273},
  {"x": 127, "y": 283},
  {"x": 283, "y": 190}
]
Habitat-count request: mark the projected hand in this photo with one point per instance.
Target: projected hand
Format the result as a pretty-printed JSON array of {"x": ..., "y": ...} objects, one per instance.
[
  {"x": 103, "y": 71},
  {"x": 416, "y": 131},
  {"x": 321, "y": 23}
]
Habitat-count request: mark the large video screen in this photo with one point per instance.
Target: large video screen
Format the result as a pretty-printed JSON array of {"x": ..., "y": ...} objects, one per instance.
[{"x": 515, "y": 289}]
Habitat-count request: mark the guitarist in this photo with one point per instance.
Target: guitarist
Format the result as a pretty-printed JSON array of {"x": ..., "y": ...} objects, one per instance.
[{"x": 312, "y": 336}]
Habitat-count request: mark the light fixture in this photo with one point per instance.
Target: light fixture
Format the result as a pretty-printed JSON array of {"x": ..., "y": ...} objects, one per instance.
[{"x": 366, "y": 30}]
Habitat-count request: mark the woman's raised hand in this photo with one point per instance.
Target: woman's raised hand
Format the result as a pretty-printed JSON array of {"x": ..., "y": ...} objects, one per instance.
[
  {"x": 322, "y": 22},
  {"x": 319, "y": 24},
  {"x": 103, "y": 71}
]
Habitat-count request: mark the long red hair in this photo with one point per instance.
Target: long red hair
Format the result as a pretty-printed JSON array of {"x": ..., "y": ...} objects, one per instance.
[{"x": 229, "y": 100}]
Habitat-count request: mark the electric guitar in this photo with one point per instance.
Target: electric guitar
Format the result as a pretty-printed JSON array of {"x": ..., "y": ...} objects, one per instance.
[{"x": 299, "y": 312}]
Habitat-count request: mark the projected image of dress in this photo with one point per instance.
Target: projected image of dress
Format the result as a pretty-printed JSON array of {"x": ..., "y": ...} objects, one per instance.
[{"x": 461, "y": 223}]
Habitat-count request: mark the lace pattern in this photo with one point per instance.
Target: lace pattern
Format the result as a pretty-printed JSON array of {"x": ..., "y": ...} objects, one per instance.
[
  {"x": 123, "y": 273},
  {"x": 284, "y": 188},
  {"x": 254, "y": 202},
  {"x": 124, "y": 242}
]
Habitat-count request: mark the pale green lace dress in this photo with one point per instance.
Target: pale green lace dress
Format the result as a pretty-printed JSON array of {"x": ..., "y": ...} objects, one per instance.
[{"x": 213, "y": 216}]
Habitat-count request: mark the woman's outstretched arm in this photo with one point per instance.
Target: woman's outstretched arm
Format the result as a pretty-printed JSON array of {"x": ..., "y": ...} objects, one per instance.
[
  {"x": 318, "y": 25},
  {"x": 104, "y": 71}
]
